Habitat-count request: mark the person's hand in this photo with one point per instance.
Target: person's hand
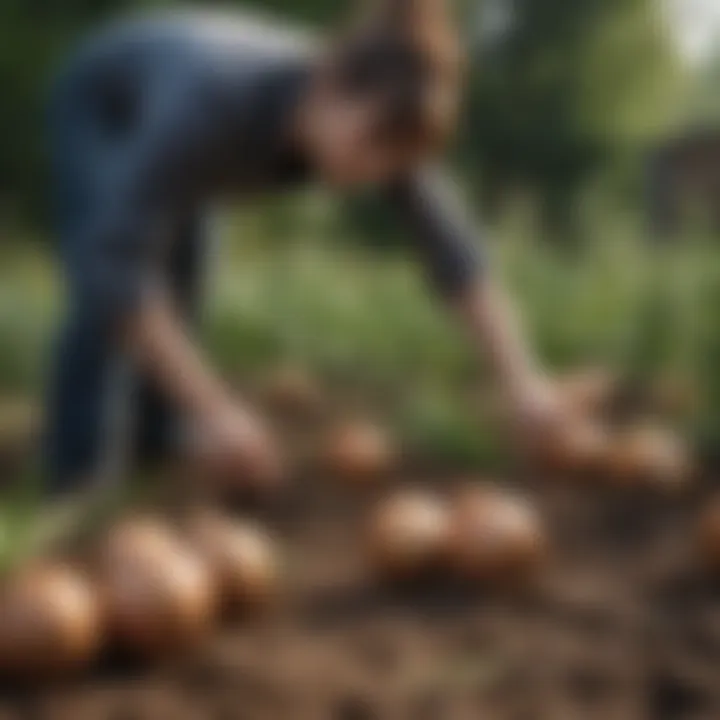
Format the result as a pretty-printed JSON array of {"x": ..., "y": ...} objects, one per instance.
[
  {"x": 551, "y": 432},
  {"x": 537, "y": 413},
  {"x": 233, "y": 446}
]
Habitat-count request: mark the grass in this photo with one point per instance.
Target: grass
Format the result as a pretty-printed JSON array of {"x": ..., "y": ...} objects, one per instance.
[
  {"x": 640, "y": 308},
  {"x": 367, "y": 321},
  {"x": 345, "y": 312}
]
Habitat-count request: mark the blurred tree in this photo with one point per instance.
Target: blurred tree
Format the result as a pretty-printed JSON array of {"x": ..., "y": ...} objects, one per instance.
[
  {"x": 703, "y": 107},
  {"x": 562, "y": 91},
  {"x": 33, "y": 38}
]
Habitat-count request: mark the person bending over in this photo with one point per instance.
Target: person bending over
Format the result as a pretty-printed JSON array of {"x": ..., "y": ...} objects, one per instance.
[{"x": 155, "y": 117}]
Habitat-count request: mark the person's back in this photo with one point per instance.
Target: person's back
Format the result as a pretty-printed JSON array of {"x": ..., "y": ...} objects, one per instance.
[
  {"x": 215, "y": 81},
  {"x": 215, "y": 36}
]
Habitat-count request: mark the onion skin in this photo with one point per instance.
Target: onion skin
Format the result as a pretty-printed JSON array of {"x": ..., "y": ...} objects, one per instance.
[
  {"x": 359, "y": 452},
  {"x": 50, "y": 623},
  {"x": 497, "y": 538},
  {"x": 584, "y": 450},
  {"x": 407, "y": 536},
  {"x": 158, "y": 595},
  {"x": 292, "y": 390},
  {"x": 708, "y": 536},
  {"x": 242, "y": 558},
  {"x": 650, "y": 456}
]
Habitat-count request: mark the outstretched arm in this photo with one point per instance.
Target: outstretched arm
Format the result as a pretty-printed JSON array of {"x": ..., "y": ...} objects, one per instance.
[{"x": 457, "y": 267}]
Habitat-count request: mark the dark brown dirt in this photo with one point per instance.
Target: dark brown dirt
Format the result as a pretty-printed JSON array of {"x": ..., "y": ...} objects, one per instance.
[{"x": 622, "y": 624}]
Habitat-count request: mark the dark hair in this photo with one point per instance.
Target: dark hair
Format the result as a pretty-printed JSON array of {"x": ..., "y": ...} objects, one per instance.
[{"x": 406, "y": 54}]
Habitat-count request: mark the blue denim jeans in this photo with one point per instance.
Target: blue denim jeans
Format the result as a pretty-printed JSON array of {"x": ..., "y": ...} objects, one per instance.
[{"x": 102, "y": 416}]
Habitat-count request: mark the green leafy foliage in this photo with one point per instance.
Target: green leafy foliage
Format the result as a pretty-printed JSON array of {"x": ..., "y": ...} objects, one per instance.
[{"x": 565, "y": 95}]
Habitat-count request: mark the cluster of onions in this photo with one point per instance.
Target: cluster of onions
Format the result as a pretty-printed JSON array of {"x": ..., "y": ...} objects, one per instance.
[
  {"x": 482, "y": 534},
  {"x": 149, "y": 589}
]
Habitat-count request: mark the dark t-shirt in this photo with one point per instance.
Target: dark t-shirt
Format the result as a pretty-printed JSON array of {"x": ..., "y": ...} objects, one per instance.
[{"x": 166, "y": 112}]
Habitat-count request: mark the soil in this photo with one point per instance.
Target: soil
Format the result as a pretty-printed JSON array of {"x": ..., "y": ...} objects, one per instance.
[{"x": 621, "y": 624}]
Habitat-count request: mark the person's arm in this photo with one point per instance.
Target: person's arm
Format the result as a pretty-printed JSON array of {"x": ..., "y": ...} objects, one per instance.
[
  {"x": 156, "y": 339},
  {"x": 457, "y": 266},
  {"x": 225, "y": 435},
  {"x": 494, "y": 327}
]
